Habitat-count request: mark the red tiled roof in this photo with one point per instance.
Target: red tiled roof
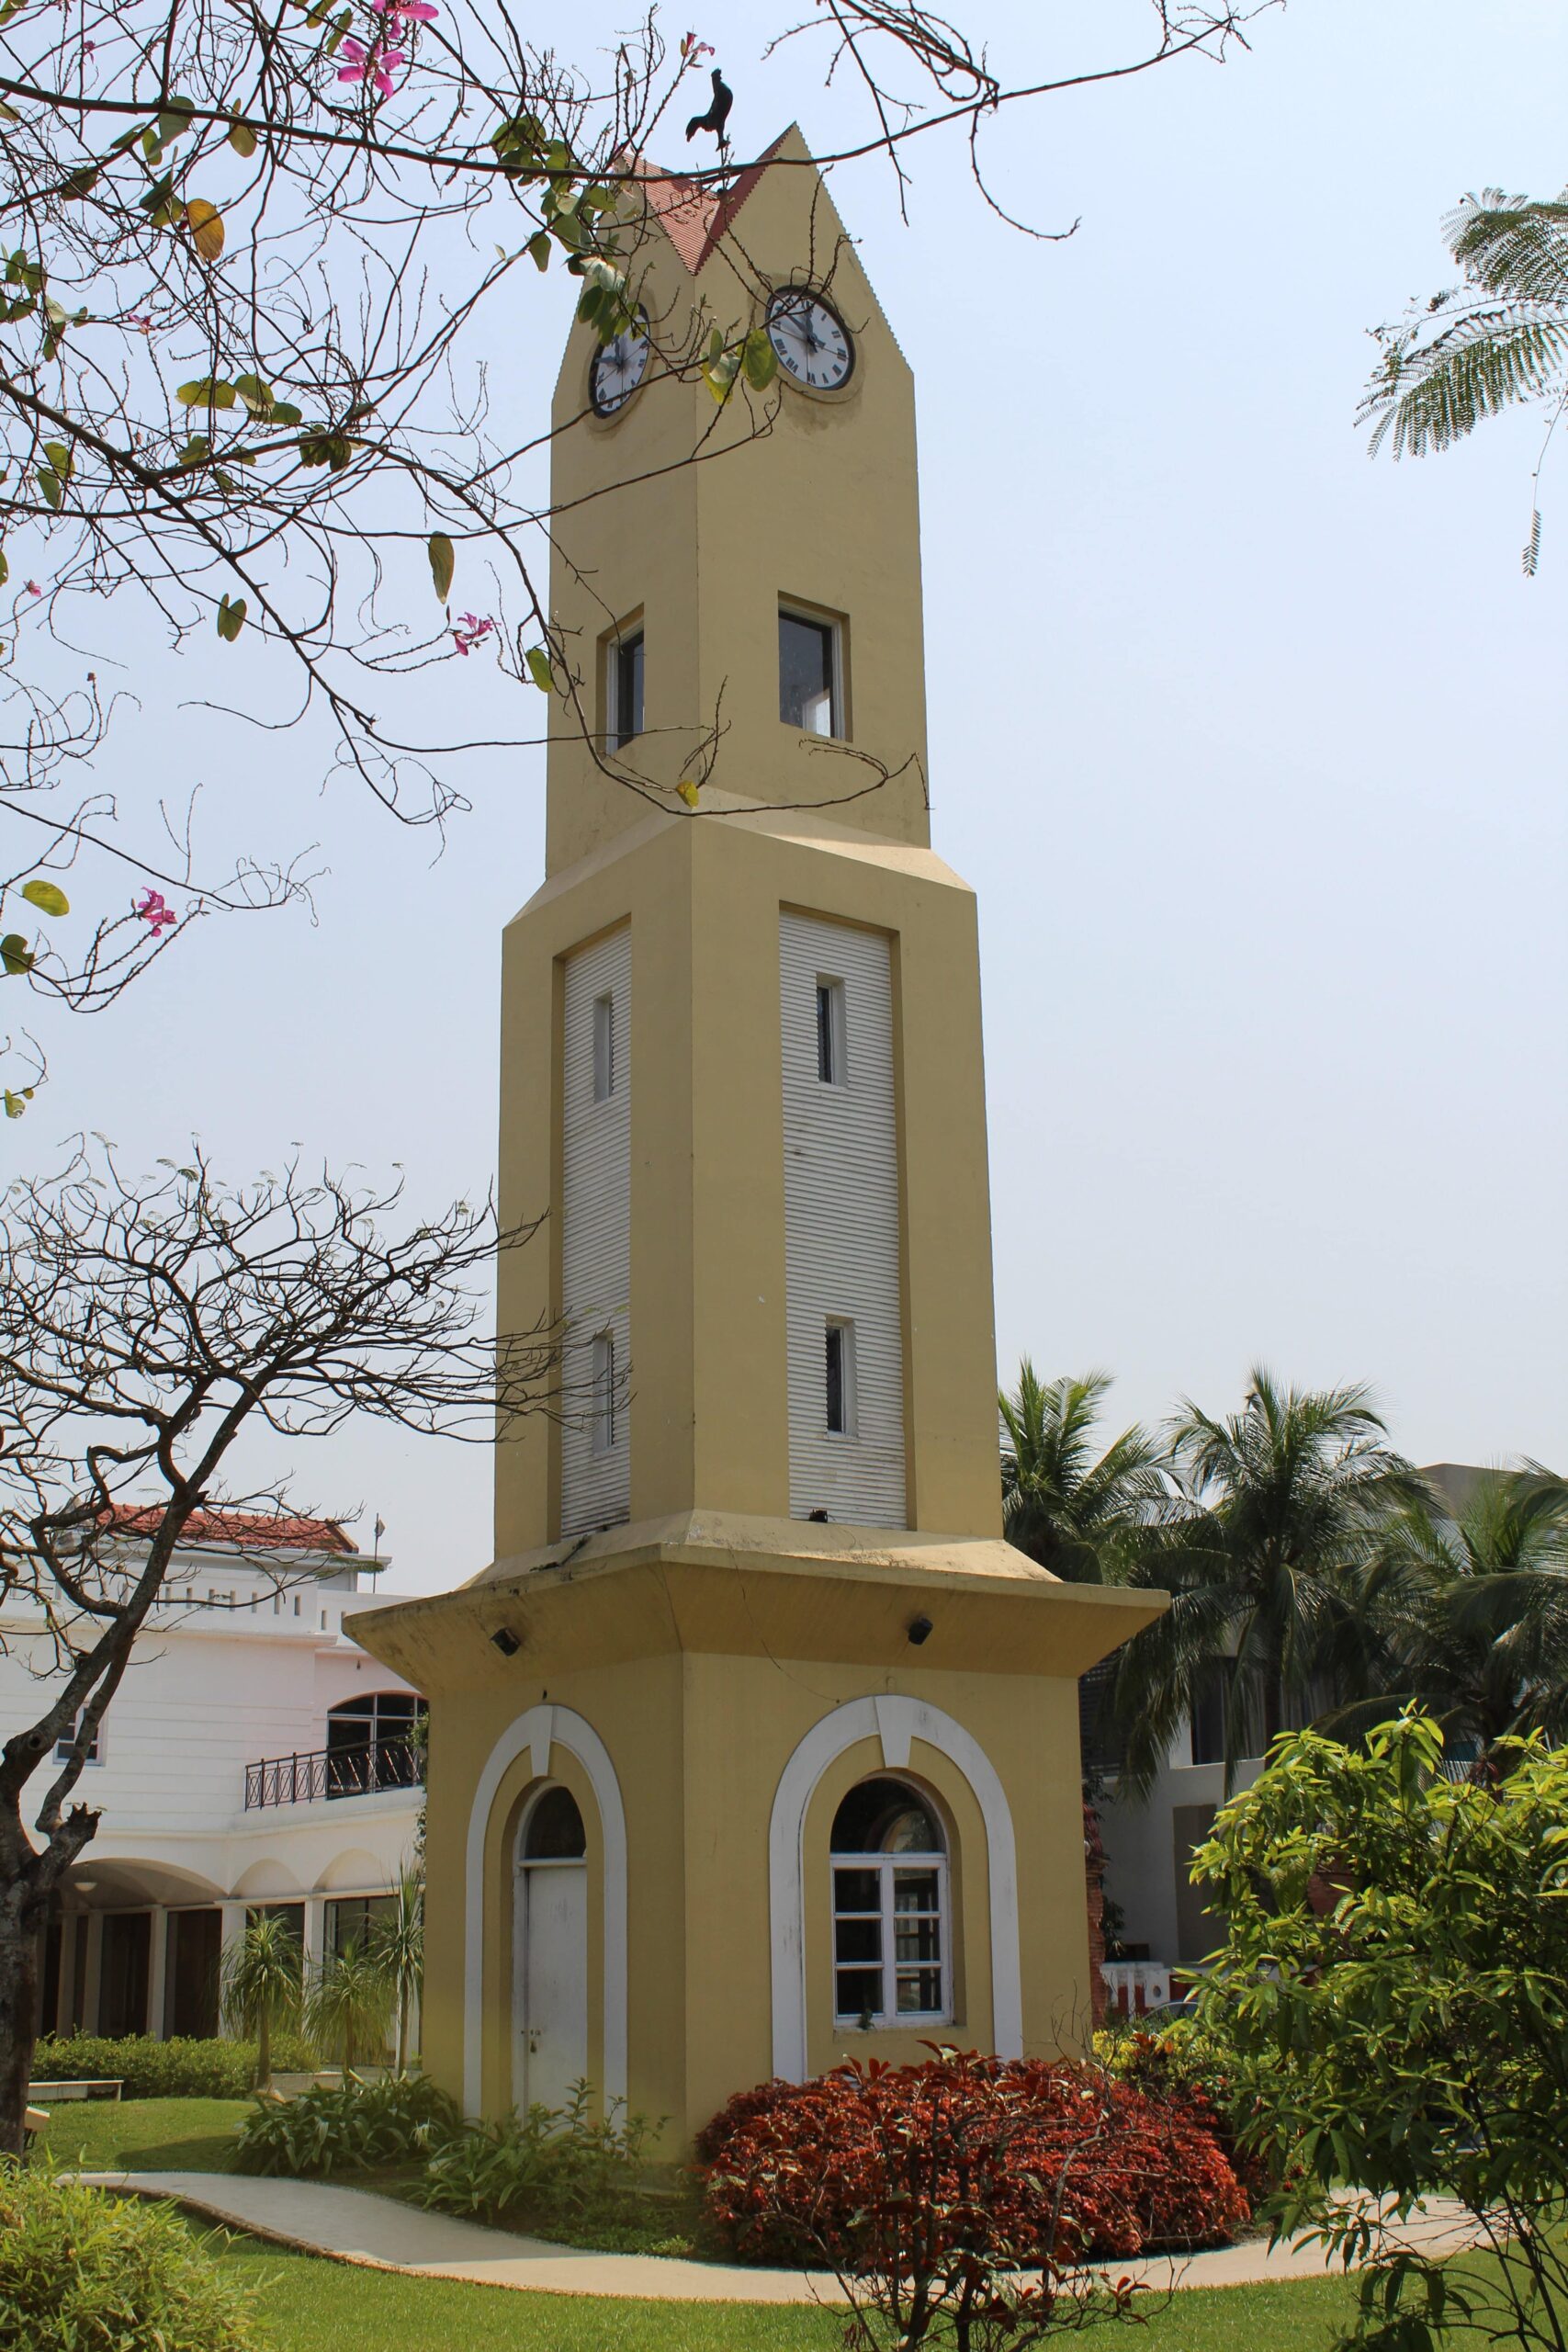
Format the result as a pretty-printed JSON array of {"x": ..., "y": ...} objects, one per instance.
[
  {"x": 692, "y": 215},
  {"x": 245, "y": 1530}
]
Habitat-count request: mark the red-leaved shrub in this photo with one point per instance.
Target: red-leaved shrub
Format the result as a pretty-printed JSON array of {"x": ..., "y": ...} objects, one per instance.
[{"x": 1022, "y": 2162}]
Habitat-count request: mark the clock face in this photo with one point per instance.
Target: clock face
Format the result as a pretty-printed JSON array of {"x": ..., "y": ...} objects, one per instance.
[
  {"x": 813, "y": 343},
  {"x": 616, "y": 369}
]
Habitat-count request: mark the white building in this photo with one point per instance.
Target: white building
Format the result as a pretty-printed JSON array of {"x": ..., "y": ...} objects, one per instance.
[{"x": 252, "y": 1759}]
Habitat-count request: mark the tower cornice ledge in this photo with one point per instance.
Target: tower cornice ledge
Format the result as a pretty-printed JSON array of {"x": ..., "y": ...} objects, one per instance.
[{"x": 726, "y": 1583}]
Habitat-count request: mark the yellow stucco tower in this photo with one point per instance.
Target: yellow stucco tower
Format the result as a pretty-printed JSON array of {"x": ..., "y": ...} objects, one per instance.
[{"x": 756, "y": 1744}]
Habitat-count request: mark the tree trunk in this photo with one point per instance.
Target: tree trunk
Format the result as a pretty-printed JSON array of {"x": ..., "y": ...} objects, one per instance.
[
  {"x": 21, "y": 1916},
  {"x": 264, "y": 2047},
  {"x": 403, "y": 2027}
]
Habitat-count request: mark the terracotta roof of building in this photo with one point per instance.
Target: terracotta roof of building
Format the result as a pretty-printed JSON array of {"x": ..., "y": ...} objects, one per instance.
[
  {"x": 244, "y": 1531},
  {"x": 693, "y": 214}
]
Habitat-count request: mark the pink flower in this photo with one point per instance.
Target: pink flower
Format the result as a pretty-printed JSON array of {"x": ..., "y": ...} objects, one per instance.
[
  {"x": 33, "y": 588},
  {"x": 372, "y": 64},
  {"x": 416, "y": 12},
  {"x": 470, "y": 631},
  {"x": 155, "y": 910},
  {"x": 692, "y": 49}
]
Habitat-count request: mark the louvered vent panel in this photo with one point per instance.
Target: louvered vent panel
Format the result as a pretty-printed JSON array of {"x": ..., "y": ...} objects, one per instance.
[
  {"x": 595, "y": 1235},
  {"x": 841, "y": 1226}
]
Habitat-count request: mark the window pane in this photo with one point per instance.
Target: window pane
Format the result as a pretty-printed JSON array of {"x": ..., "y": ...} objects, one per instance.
[
  {"x": 914, "y": 1891},
  {"x": 836, "y": 1377},
  {"x": 555, "y": 1829},
  {"x": 917, "y": 1939},
  {"x": 861, "y": 1940},
  {"x": 628, "y": 666},
  {"x": 806, "y": 675},
  {"x": 856, "y": 1890},
  {"x": 857, "y": 1992},
  {"x": 921, "y": 1991},
  {"x": 824, "y": 1031},
  {"x": 885, "y": 1817}
]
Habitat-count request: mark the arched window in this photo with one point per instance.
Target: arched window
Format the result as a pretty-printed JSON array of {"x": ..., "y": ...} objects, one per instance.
[
  {"x": 554, "y": 1831},
  {"x": 890, "y": 1931},
  {"x": 371, "y": 1742}
]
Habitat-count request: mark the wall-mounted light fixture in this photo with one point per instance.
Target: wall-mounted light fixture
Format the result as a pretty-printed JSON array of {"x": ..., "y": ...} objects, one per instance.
[
  {"x": 506, "y": 1641},
  {"x": 919, "y": 1630}
]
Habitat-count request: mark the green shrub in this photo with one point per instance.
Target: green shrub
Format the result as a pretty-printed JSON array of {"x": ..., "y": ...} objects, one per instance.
[
  {"x": 179, "y": 2068},
  {"x": 323, "y": 2131},
  {"x": 83, "y": 2272},
  {"x": 553, "y": 2169}
]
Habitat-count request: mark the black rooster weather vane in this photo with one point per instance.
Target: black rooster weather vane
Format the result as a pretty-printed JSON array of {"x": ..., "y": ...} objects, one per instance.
[{"x": 716, "y": 117}]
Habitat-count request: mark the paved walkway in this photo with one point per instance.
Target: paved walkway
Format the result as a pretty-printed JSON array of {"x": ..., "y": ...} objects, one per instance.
[{"x": 356, "y": 2225}]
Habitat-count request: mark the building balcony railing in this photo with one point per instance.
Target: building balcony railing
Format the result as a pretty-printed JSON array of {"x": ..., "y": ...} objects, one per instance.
[{"x": 327, "y": 1772}]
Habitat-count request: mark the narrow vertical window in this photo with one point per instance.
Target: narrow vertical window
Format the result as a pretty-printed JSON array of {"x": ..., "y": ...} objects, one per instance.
[
  {"x": 603, "y": 1386},
  {"x": 809, "y": 674},
  {"x": 830, "y": 1033},
  {"x": 603, "y": 1048},
  {"x": 839, "y": 1366},
  {"x": 625, "y": 685}
]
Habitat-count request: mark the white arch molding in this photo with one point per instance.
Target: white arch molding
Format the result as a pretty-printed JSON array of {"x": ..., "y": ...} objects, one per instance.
[
  {"x": 537, "y": 1731},
  {"x": 894, "y": 1722}
]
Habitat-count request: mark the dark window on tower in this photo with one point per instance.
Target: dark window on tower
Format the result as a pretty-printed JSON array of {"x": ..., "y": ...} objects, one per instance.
[
  {"x": 839, "y": 1364},
  {"x": 830, "y": 1032},
  {"x": 625, "y": 689},
  {"x": 809, "y": 685}
]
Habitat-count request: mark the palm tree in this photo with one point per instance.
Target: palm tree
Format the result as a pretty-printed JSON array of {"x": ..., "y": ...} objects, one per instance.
[
  {"x": 1079, "y": 1517},
  {"x": 1498, "y": 341},
  {"x": 1285, "y": 1501},
  {"x": 264, "y": 1984},
  {"x": 1474, "y": 1612},
  {"x": 399, "y": 1947},
  {"x": 350, "y": 2005}
]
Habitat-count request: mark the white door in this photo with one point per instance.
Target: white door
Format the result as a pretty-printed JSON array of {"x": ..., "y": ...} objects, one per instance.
[{"x": 552, "y": 1982}]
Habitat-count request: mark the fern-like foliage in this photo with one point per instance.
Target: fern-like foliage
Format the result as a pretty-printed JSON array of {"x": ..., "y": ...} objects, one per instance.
[{"x": 1498, "y": 341}]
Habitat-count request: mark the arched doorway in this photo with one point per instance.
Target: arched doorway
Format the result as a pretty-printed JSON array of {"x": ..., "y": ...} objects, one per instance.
[{"x": 550, "y": 1952}]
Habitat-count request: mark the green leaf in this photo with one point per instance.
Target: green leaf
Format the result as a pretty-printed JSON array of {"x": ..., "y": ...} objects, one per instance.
[
  {"x": 206, "y": 225},
  {"x": 241, "y": 138},
  {"x": 443, "y": 563},
  {"x": 79, "y": 182},
  {"x": 206, "y": 392},
  {"x": 9, "y": 114},
  {"x": 59, "y": 457},
  {"x": 175, "y": 120},
  {"x": 17, "y": 1104},
  {"x": 51, "y": 488},
  {"x": 539, "y": 669},
  {"x": 342, "y": 23},
  {"x": 47, "y": 897},
  {"x": 4, "y": 567},
  {"x": 151, "y": 147},
  {"x": 230, "y": 619},
  {"x": 15, "y": 952},
  {"x": 539, "y": 249},
  {"x": 760, "y": 359}
]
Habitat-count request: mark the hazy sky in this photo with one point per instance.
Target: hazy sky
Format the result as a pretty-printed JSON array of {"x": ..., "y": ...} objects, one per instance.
[{"x": 1254, "y": 751}]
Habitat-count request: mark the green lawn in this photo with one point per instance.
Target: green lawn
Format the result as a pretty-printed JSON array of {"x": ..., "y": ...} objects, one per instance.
[
  {"x": 315, "y": 2306},
  {"x": 318, "y": 2306},
  {"x": 143, "y": 2134}
]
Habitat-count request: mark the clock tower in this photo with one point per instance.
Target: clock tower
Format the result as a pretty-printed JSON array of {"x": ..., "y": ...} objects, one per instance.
[{"x": 755, "y": 1745}]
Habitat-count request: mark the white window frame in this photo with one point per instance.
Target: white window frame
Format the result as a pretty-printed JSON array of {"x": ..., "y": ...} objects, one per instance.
[
  {"x": 834, "y": 1033},
  {"x": 602, "y": 1359},
  {"x": 844, "y": 1326},
  {"x": 837, "y": 729},
  {"x": 67, "y": 1740},
  {"x": 887, "y": 1868},
  {"x": 603, "y": 1048}
]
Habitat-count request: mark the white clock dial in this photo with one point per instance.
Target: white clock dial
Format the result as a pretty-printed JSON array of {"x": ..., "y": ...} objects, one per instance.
[
  {"x": 616, "y": 369},
  {"x": 813, "y": 343}
]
